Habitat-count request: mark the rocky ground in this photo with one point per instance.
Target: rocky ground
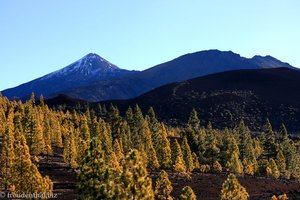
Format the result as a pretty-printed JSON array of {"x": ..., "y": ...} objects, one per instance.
[{"x": 207, "y": 186}]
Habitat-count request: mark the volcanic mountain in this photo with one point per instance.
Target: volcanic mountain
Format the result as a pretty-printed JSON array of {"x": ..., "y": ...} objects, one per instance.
[{"x": 85, "y": 71}]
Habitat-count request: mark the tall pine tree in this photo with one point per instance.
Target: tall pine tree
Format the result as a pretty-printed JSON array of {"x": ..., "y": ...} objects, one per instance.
[
  {"x": 232, "y": 189},
  {"x": 163, "y": 187},
  {"x": 187, "y": 194}
]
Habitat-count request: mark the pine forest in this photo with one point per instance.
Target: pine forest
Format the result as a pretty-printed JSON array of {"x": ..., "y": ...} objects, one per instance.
[{"x": 137, "y": 156}]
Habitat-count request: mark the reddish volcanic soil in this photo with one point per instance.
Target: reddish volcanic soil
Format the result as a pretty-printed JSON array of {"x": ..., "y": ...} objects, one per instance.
[{"x": 207, "y": 186}]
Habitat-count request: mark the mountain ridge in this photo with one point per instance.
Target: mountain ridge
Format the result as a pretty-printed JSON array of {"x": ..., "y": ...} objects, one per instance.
[
  {"x": 184, "y": 67},
  {"x": 94, "y": 83}
]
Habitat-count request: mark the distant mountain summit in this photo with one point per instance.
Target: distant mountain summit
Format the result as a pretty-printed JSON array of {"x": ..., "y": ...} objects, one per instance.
[
  {"x": 89, "y": 69},
  {"x": 92, "y": 66},
  {"x": 206, "y": 62},
  {"x": 269, "y": 62}
]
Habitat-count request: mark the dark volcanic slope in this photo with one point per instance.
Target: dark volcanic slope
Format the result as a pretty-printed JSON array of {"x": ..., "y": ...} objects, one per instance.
[
  {"x": 225, "y": 98},
  {"x": 182, "y": 68}
]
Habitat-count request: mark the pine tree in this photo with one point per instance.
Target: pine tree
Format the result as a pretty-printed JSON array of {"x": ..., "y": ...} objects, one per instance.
[
  {"x": 187, "y": 194},
  {"x": 233, "y": 190},
  {"x": 118, "y": 151},
  {"x": 249, "y": 161},
  {"x": 202, "y": 144},
  {"x": 288, "y": 148},
  {"x": 163, "y": 148},
  {"x": 105, "y": 139},
  {"x": 187, "y": 155},
  {"x": 75, "y": 119},
  {"x": 136, "y": 126},
  {"x": 56, "y": 133},
  {"x": 47, "y": 138},
  {"x": 280, "y": 161},
  {"x": 250, "y": 158},
  {"x": 125, "y": 135},
  {"x": 27, "y": 178},
  {"x": 82, "y": 146},
  {"x": 47, "y": 185},
  {"x": 36, "y": 182},
  {"x": 70, "y": 149},
  {"x": 147, "y": 141},
  {"x": 280, "y": 197},
  {"x": 7, "y": 154},
  {"x": 177, "y": 159},
  {"x": 18, "y": 125},
  {"x": 272, "y": 169},
  {"x": 244, "y": 139},
  {"x": 195, "y": 161},
  {"x": 163, "y": 187},
  {"x": 88, "y": 116},
  {"x": 228, "y": 146},
  {"x": 2, "y": 121},
  {"x": 153, "y": 123},
  {"x": 193, "y": 130},
  {"x": 283, "y": 197},
  {"x": 134, "y": 182},
  {"x": 84, "y": 129},
  {"x": 257, "y": 148},
  {"x": 94, "y": 127},
  {"x": 114, "y": 163},
  {"x": 95, "y": 177},
  {"x": 234, "y": 165},
  {"x": 269, "y": 144},
  {"x": 114, "y": 120},
  {"x": 283, "y": 134},
  {"x": 102, "y": 111},
  {"x": 289, "y": 151},
  {"x": 27, "y": 123},
  {"x": 217, "y": 166},
  {"x": 42, "y": 102},
  {"x": 129, "y": 119},
  {"x": 38, "y": 144},
  {"x": 31, "y": 101},
  {"x": 232, "y": 153},
  {"x": 152, "y": 159},
  {"x": 248, "y": 167},
  {"x": 143, "y": 154},
  {"x": 212, "y": 148}
]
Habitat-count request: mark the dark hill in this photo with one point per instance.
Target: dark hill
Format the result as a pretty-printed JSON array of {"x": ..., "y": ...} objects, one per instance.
[{"x": 226, "y": 98}]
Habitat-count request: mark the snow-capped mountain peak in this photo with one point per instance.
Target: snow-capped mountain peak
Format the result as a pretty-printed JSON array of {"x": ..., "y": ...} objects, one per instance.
[
  {"x": 85, "y": 71},
  {"x": 91, "y": 64}
]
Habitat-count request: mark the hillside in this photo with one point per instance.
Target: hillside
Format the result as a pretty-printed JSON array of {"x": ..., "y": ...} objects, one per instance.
[{"x": 225, "y": 98}]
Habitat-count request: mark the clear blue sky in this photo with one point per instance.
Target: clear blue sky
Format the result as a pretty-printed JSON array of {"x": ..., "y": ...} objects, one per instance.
[{"x": 38, "y": 37}]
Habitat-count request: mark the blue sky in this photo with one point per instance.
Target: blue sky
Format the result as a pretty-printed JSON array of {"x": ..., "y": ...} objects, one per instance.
[{"x": 38, "y": 37}]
